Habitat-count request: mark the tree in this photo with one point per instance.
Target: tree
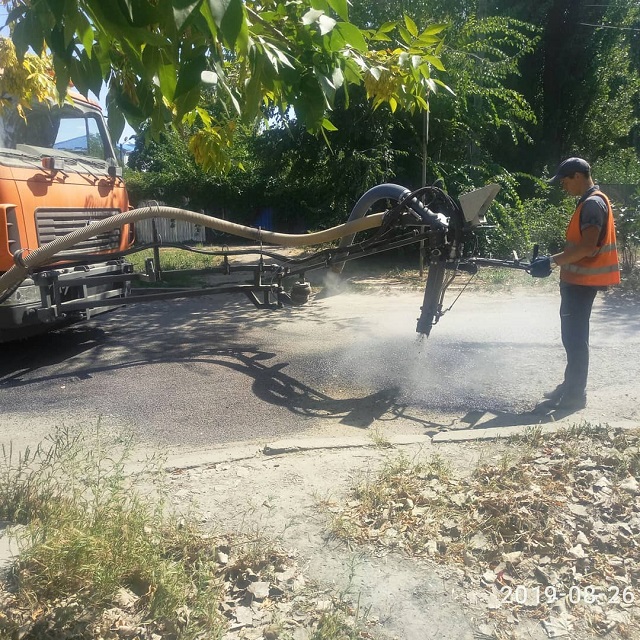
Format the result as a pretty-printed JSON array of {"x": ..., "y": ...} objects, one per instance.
[
  {"x": 288, "y": 170},
  {"x": 305, "y": 181},
  {"x": 25, "y": 83},
  {"x": 583, "y": 80},
  {"x": 473, "y": 137},
  {"x": 156, "y": 57}
]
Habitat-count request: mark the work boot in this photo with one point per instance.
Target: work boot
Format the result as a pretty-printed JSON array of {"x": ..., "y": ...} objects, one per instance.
[
  {"x": 572, "y": 402},
  {"x": 555, "y": 394}
]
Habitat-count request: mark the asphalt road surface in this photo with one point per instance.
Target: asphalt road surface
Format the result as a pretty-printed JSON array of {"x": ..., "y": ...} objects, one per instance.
[{"x": 215, "y": 370}]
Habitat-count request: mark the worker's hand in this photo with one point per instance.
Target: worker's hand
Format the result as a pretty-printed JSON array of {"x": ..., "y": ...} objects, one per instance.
[{"x": 540, "y": 267}]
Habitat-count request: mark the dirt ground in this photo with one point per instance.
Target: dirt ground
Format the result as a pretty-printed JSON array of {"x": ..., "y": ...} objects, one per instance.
[{"x": 290, "y": 490}]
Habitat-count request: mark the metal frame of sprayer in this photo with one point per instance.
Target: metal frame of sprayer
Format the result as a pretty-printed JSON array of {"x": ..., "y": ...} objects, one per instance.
[{"x": 445, "y": 227}]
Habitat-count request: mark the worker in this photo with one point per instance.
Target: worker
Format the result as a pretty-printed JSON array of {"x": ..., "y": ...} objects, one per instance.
[{"x": 588, "y": 264}]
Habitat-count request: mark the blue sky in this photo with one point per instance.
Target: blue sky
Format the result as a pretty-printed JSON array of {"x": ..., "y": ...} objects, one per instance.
[{"x": 3, "y": 18}]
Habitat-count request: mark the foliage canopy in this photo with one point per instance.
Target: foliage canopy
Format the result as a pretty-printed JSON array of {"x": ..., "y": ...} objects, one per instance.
[{"x": 157, "y": 58}]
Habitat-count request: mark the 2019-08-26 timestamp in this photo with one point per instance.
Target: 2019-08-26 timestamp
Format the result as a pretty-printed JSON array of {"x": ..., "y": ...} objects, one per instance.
[{"x": 588, "y": 594}]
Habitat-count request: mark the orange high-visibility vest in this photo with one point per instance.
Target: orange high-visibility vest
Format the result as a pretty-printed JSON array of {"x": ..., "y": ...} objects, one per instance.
[{"x": 601, "y": 269}]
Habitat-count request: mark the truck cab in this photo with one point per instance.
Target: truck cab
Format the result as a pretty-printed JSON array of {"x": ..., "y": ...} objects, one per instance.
[{"x": 59, "y": 173}]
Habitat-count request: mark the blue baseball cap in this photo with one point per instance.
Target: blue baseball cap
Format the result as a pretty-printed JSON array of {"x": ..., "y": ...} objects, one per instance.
[{"x": 568, "y": 167}]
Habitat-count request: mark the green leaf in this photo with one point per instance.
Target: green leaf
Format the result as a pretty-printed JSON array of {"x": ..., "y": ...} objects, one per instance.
[
  {"x": 27, "y": 32},
  {"x": 189, "y": 75},
  {"x": 351, "y": 35},
  {"x": 435, "y": 62},
  {"x": 446, "y": 87},
  {"x": 434, "y": 29},
  {"x": 57, "y": 43},
  {"x": 328, "y": 89},
  {"x": 205, "y": 116},
  {"x": 425, "y": 70},
  {"x": 324, "y": 136},
  {"x": 341, "y": 7},
  {"x": 63, "y": 79},
  {"x": 422, "y": 103},
  {"x": 187, "y": 102},
  {"x": 85, "y": 32},
  {"x": 282, "y": 57},
  {"x": 115, "y": 121},
  {"x": 427, "y": 41},
  {"x": 381, "y": 37},
  {"x": 229, "y": 17},
  {"x": 352, "y": 72},
  {"x": 85, "y": 72},
  {"x": 253, "y": 93},
  {"x": 326, "y": 24},
  {"x": 411, "y": 26},
  {"x": 182, "y": 11},
  {"x": 310, "y": 105},
  {"x": 168, "y": 80},
  {"x": 322, "y": 5},
  {"x": 405, "y": 35},
  {"x": 328, "y": 125},
  {"x": 311, "y": 16},
  {"x": 387, "y": 27},
  {"x": 57, "y": 8},
  {"x": 129, "y": 9},
  {"x": 79, "y": 76},
  {"x": 205, "y": 12}
]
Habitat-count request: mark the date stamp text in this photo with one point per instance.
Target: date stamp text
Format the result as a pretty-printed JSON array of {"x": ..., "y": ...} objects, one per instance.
[{"x": 588, "y": 594}]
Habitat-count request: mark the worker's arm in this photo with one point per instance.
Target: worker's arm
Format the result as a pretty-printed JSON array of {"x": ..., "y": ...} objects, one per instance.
[{"x": 587, "y": 247}]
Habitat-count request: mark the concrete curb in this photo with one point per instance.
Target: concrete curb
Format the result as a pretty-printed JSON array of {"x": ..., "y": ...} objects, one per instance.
[
  {"x": 288, "y": 446},
  {"x": 313, "y": 444},
  {"x": 8, "y": 548},
  {"x": 496, "y": 433},
  {"x": 225, "y": 455}
]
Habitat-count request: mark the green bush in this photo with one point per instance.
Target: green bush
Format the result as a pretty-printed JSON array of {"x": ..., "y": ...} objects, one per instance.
[
  {"x": 547, "y": 223},
  {"x": 618, "y": 167},
  {"x": 518, "y": 228}
]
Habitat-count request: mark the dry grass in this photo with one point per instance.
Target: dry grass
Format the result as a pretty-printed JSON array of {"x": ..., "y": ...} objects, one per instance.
[
  {"x": 103, "y": 557},
  {"x": 559, "y": 511},
  {"x": 87, "y": 533}
]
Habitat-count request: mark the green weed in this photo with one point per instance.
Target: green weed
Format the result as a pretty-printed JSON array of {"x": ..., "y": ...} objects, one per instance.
[
  {"x": 89, "y": 532},
  {"x": 172, "y": 259}
]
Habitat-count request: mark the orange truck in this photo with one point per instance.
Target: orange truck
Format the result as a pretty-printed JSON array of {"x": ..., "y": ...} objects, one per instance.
[{"x": 59, "y": 173}]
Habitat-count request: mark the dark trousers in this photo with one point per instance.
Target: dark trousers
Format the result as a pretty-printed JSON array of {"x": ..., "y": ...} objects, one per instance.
[{"x": 576, "y": 302}]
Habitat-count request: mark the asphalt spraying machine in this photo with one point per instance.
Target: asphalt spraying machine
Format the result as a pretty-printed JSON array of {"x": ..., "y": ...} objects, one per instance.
[{"x": 46, "y": 285}]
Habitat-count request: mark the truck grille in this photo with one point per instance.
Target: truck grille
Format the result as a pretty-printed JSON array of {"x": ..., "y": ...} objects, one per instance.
[{"x": 54, "y": 223}]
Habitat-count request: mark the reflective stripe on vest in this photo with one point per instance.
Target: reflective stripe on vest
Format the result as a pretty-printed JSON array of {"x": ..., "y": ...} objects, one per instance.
[{"x": 600, "y": 269}]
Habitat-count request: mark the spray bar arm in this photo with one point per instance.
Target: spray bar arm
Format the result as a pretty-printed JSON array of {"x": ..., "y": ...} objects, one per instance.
[
  {"x": 491, "y": 262},
  {"x": 516, "y": 263}
]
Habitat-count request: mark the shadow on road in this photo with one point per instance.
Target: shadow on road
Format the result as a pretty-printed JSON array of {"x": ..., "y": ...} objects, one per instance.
[
  {"x": 183, "y": 337},
  {"x": 215, "y": 334},
  {"x": 541, "y": 414},
  {"x": 620, "y": 312}
]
